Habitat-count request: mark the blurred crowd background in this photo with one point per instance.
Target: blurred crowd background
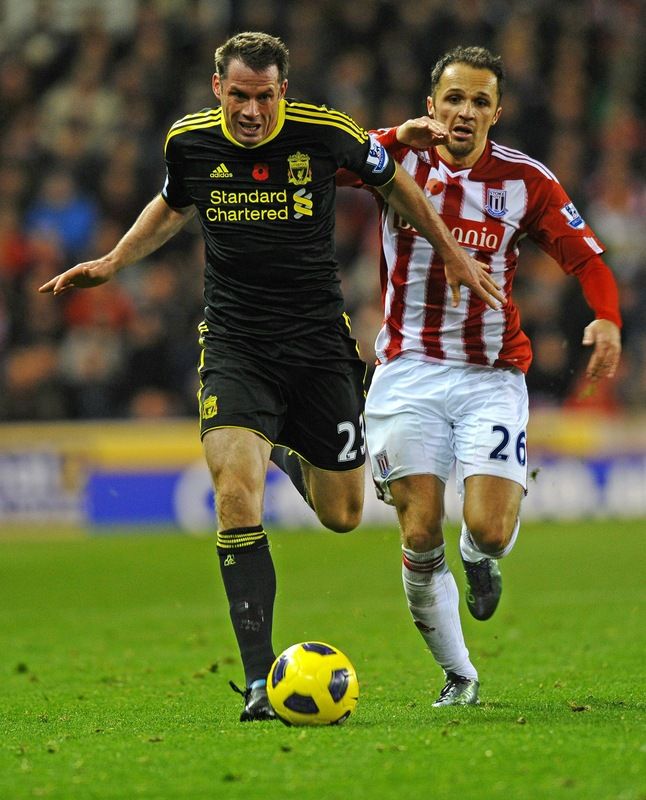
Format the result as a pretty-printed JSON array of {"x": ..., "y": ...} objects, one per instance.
[{"x": 88, "y": 91}]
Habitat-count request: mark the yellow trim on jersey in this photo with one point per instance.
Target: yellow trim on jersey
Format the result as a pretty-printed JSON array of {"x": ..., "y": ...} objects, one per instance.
[
  {"x": 298, "y": 105},
  {"x": 322, "y": 116},
  {"x": 202, "y": 329},
  {"x": 326, "y": 121},
  {"x": 279, "y": 126},
  {"x": 348, "y": 324},
  {"x": 308, "y": 108},
  {"x": 191, "y": 122},
  {"x": 198, "y": 114},
  {"x": 346, "y": 319},
  {"x": 390, "y": 180}
]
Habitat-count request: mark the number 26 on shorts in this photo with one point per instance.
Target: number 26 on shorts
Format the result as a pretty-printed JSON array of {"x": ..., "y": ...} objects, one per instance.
[{"x": 500, "y": 451}]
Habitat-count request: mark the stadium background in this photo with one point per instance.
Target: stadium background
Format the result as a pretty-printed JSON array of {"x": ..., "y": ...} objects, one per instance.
[{"x": 97, "y": 389}]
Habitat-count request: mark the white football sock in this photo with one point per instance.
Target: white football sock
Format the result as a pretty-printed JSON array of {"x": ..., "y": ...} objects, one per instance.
[
  {"x": 433, "y": 600},
  {"x": 470, "y": 551}
]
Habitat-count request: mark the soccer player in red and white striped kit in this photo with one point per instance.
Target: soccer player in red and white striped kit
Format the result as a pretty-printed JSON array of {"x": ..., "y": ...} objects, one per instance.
[{"x": 450, "y": 381}]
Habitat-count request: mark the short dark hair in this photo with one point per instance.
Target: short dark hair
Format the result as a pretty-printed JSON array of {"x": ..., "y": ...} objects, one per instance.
[
  {"x": 256, "y": 50},
  {"x": 476, "y": 57}
]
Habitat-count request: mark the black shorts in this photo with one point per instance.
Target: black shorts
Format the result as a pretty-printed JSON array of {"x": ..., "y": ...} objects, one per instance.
[{"x": 306, "y": 394}]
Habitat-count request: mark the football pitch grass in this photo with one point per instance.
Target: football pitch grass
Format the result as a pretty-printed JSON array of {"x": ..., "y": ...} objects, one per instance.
[{"x": 116, "y": 653}]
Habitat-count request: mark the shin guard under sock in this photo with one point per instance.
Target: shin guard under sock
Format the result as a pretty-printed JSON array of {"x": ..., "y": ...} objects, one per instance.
[
  {"x": 433, "y": 601},
  {"x": 250, "y": 583}
]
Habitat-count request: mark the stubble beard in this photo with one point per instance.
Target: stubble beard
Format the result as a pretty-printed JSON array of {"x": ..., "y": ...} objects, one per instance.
[{"x": 460, "y": 149}]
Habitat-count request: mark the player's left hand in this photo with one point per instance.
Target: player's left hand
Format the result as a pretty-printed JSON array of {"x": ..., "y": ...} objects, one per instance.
[
  {"x": 476, "y": 276},
  {"x": 606, "y": 338},
  {"x": 423, "y": 132}
]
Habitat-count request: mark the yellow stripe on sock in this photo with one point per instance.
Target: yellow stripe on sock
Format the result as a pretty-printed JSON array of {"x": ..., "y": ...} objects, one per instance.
[{"x": 238, "y": 541}]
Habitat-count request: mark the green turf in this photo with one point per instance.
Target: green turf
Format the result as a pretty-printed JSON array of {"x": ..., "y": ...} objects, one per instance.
[{"x": 115, "y": 657}]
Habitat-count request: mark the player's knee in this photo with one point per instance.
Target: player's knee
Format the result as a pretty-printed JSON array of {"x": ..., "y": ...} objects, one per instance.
[
  {"x": 421, "y": 523},
  {"x": 421, "y": 540},
  {"x": 237, "y": 502},
  {"x": 340, "y": 519},
  {"x": 490, "y": 535}
]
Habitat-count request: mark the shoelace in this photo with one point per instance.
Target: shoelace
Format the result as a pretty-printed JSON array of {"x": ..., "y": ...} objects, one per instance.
[
  {"x": 451, "y": 682},
  {"x": 245, "y": 693}
]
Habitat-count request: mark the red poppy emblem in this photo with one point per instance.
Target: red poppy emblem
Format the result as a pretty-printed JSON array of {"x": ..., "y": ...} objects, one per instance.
[
  {"x": 260, "y": 172},
  {"x": 435, "y": 186}
]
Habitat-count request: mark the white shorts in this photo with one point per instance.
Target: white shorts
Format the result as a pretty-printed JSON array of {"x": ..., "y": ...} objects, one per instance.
[{"x": 421, "y": 417}]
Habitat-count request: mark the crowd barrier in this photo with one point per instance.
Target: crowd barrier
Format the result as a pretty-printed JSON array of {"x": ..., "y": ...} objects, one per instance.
[{"x": 104, "y": 475}]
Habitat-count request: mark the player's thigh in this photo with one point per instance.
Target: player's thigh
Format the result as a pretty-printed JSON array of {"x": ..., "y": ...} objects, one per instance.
[
  {"x": 237, "y": 459},
  {"x": 490, "y": 412},
  {"x": 324, "y": 422},
  {"x": 337, "y": 497},
  {"x": 419, "y": 501},
  {"x": 241, "y": 411},
  {"x": 325, "y": 427},
  {"x": 239, "y": 389},
  {"x": 236, "y": 453},
  {"x": 407, "y": 430},
  {"x": 491, "y": 507}
]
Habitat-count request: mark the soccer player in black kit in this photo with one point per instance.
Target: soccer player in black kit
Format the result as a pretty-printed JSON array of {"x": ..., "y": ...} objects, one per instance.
[{"x": 280, "y": 375}]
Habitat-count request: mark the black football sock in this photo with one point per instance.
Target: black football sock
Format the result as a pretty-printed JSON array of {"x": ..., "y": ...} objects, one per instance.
[
  {"x": 250, "y": 583},
  {"x": 290, "y": 463}
]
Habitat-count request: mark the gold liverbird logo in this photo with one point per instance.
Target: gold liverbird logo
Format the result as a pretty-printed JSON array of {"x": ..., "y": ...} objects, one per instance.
[
  {"x": 299, "y": 170},
  {"x": 210, "y": 407}
]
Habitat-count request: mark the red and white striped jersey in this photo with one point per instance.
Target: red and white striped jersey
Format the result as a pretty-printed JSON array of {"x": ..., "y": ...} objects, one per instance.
[{"x": 489, "y": 208}]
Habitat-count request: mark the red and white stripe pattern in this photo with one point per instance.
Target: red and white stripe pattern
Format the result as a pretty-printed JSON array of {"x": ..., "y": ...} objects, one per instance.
[
  {"x": 425, "y": 566},
  {"x": 489, "y": 209}
]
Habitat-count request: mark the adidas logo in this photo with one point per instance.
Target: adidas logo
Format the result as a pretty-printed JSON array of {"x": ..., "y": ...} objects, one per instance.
[
  {"x": 229, "y": 561},
  {"x": 221, "y": 171}
]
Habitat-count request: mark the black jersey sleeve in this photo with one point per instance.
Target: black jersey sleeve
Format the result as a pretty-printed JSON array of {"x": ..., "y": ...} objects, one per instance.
[
  {"x": 354, "y": 148},
  {"x": 174, "y": 191},
  {"x": 378, "y": 167},
  {"x": 370, "y": 160}
]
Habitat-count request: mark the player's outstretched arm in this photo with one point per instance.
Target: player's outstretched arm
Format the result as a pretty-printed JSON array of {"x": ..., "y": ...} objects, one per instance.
[
  {"x": 605, "y": 338},
  {"x": 156, "y": 224},
  {"x": 408, "y": 200},
  {"x": 422, "y": 133}
]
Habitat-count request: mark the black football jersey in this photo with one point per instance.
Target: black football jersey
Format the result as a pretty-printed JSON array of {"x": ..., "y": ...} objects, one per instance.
[{"x": 267, "y": 213}]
